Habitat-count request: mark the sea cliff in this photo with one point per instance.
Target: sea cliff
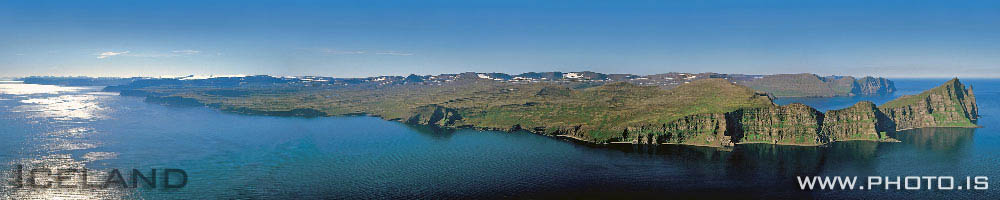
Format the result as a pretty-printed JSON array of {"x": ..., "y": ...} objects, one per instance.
[
  {"x": 709, "y": 112},
  {"x": 948, "y": 105},
  {"x": 793, "y": 124},
  {"x": 862, "y": 121}
]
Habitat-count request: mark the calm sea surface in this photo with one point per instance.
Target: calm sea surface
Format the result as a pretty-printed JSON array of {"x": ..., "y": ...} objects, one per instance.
[{"x": 236, "y": 156}]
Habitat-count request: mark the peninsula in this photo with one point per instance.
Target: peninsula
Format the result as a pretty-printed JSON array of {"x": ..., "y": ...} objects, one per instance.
[{"x": 706, "y": 112}]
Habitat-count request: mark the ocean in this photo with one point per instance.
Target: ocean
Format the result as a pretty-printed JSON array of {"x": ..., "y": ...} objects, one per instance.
[{"x": 232, "y": 156}]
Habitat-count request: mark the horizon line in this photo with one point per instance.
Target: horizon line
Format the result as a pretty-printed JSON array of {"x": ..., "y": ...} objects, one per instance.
[{"x": 273, "y": 75}]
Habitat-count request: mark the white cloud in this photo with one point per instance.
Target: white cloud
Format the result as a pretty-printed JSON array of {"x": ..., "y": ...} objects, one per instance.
[
  {"x": 109, "y": 54},
  {"x": 359, "y": 52},
  {"x": 173, "y": 53},
  {"x": 186, "y": 52},
  {"x": 340, "y": 52},
  {"x": 393, "y": 53}
]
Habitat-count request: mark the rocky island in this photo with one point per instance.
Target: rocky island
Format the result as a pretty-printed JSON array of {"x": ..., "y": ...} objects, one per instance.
[{"x": 713, "y": 112}]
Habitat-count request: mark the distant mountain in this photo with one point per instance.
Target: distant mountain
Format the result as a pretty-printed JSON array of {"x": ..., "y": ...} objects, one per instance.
[
  {"x": 811, "y": 85},
  {"x": 874, "y": 86},
  {"x": 542, "y": 75},
  {"x": 780, "y": 85},
  {"x": 76, "y": 81},
  {"x": 214, "y": 82}
]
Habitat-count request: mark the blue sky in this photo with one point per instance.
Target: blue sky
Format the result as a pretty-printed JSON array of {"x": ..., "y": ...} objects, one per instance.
[{"x": 368, "y": 38}]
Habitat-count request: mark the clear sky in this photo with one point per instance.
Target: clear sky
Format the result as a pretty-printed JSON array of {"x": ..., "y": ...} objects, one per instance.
[{"x": 907, "y": 38}]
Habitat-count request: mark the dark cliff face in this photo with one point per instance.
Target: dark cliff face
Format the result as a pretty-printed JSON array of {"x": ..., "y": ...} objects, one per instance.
[
  {"x": 863, "y": 121},
  {"x": 434, "y": 115},
  {"x": 796, "y": 124},
  {"x": 701, "y": 129},
  {"x": 948, "y": 105}
]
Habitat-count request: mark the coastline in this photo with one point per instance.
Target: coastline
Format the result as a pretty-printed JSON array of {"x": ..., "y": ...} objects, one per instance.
[
  {"x": 571, "y": 138},
  {"x": 771, "y": 124},
  {"x": 292, "y": 113},
  {"x": 976, "y": 126}
]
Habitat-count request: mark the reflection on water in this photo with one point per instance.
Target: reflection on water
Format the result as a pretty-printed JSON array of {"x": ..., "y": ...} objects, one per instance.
[
  {"x": 64, "y": 107},
  {"x": 16, "y": 88},
  {"x": 943, "y": 140},
  {"x": 431, "y": 131},
  {"x": 61, "y": 114},
  {"x": 771, "y": 169}
]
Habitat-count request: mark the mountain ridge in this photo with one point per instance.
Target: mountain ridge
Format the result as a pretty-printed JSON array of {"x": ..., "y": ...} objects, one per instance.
[{"x": 779, "y": 85}]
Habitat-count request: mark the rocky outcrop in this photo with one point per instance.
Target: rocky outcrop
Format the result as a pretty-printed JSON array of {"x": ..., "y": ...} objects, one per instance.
[
  {"x": 948, "y": 105},
  {"x": 863, "y": 121},
  {"x": 794, "y": 124},
  {"x": 701, "y": 129},
  {"x": 873, "y": 86},
  {"x": 434, "y": 115}
]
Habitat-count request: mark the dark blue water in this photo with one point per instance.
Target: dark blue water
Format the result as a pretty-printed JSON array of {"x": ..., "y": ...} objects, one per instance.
[{"x": 236, "y": 156}]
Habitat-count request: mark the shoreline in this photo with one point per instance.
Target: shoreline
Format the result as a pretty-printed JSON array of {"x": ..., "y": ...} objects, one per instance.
[
  {"x": 906, "y": 129},
  {"x": 679, "y": 131},
  {"x": 571, "y": 138}
]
